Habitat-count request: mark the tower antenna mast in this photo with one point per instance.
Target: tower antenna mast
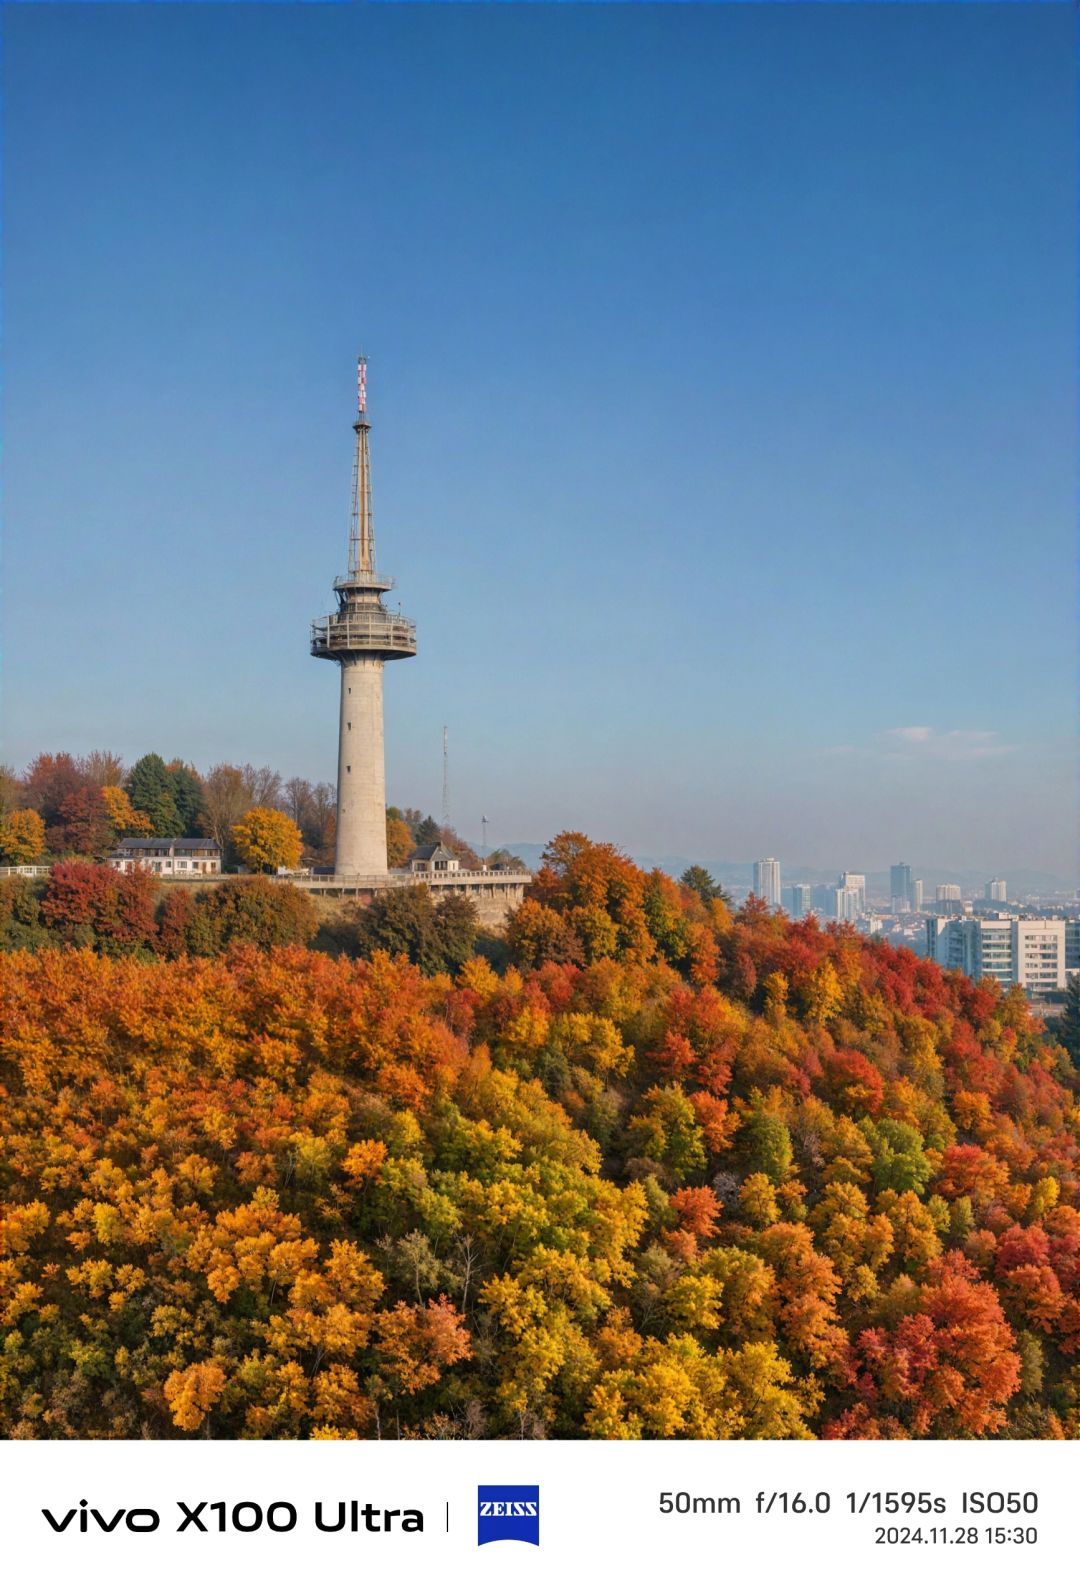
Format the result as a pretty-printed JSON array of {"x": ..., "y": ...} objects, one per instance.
[
  {"x": 361, "y": 519},
  {"x": 361, "y": 637}
]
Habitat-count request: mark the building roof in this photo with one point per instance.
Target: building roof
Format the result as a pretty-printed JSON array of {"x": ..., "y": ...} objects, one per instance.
[
  {"x": 131, "y": 844},
  {"x": 433, "y": 850}
]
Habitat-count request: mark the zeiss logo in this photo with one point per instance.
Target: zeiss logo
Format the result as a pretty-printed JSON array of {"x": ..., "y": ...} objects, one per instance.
[{"x": 508, "y": 1512}]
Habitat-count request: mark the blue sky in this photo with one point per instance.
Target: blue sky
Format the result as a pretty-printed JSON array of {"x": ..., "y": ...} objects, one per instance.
[{"x": 722, "y": 377}]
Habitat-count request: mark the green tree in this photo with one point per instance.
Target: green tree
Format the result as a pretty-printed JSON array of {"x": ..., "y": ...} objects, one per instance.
[
  {"x": 455, "y": 929},
  {"x": 263, "y": 913},
  {"x": 437, "y": 934},
  {"x": 188, "y": 795},
  {"x": 1069, "y": 1029},
  {"x": 427, "y": 832},
  {"x": 900, "y": 1161},
  {"x": 765, "y": 1145},
  {"x": 20, "y": 915},
  {"x": 698, "y": 879},
  {"x": 150, "y": 788}
]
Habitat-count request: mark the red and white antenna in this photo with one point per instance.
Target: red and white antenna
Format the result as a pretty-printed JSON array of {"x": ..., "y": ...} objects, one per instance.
[{"x": 361, "y": 384}]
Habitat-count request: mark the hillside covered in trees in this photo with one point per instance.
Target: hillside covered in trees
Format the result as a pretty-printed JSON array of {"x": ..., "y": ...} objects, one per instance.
[
  {"x": 62, "y": 807},
  {"x": 649, "y": 1169}
]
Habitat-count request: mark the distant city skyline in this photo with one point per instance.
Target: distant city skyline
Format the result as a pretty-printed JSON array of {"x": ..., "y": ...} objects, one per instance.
[{"x": 722, "y": 408}]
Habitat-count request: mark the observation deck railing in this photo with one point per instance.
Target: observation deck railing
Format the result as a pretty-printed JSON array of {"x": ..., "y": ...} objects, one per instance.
[
  {"x": 363, "y": 631},
  {"x": 363, "y": 581}
]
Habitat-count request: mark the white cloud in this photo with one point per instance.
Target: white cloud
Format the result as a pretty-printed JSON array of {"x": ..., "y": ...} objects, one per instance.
[{"x": 930, "y": 742}]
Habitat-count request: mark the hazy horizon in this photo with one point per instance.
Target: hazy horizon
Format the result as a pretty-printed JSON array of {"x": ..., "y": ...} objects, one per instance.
[{"x": 722, "y": 385}]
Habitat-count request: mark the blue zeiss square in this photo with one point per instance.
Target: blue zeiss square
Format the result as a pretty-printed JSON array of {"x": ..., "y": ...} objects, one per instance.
[{"x": 508, "y": 1512}]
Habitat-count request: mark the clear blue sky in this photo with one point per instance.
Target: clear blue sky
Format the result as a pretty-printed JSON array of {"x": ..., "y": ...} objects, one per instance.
[{"x": 722, "y": 378}]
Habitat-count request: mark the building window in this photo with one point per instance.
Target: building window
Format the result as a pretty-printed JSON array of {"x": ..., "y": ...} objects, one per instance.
[
  {"x": 348, "y": 769},
  {"x": 348, "y": 725}
]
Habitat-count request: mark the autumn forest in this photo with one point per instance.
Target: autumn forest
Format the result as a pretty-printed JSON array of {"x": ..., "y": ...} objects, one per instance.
[{"x": 643, "y": 1167}]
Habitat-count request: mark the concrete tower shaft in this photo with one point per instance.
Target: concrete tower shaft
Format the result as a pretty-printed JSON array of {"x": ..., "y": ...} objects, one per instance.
[{"x": 360, "y": 636}]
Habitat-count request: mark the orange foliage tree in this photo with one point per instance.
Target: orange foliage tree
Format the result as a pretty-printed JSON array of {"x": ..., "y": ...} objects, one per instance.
[{"x": 658, "y": 1169}]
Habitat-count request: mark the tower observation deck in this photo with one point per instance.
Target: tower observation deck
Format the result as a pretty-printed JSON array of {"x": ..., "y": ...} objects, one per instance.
[{"x": 360, "y": 636}]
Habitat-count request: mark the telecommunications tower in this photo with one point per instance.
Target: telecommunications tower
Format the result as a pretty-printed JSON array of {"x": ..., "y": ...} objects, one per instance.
[{"x": 360, "y": 637}]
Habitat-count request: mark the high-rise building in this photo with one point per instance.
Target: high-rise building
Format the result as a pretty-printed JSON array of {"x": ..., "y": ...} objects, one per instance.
[
  {"x": 1040, "y": 954},
  {"x": 916, "y": 895},
  {"x": 849, "y": 904},
  {"x": 949, "y": 892},
  {"x": 901, "y": 889},
  {"x": 799, "y": 900},
  {"x": 1072, "y": 946},
  {"x": 995, "y": 891},
  {"x": 1015, "y": 951},
  {"x": 360, "y": 637},
  {"x": 767, "y": 881},
  {"x": 850, "y": 882},
  {"x": 837, "y": 902}
]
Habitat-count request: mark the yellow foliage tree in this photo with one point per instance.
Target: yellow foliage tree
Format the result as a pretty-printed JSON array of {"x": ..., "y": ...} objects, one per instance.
[
  {"x": 267, "y": 839},
  {"x": 125, "y": 819},
  {"x": 399, "y": 843},
  {"x": 824, "y": 995},
  {"x": 22, "y": 836},
  {"x": 192, "y": 1391}
]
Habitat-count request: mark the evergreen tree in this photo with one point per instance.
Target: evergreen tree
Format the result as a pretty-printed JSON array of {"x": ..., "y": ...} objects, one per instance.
[
  {"x": 698, "y": 879},
  {"x": 427, "y": 832},
  {"x": 188, "y": 795},
  {"x": 150, "y": 788},
  {"x": 1069, "y": 1031}
]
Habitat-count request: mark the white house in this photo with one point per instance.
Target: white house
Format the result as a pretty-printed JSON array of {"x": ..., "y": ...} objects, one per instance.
[
  {"x": 187, "y": 856},
  {"x": 432, "y": 860}
]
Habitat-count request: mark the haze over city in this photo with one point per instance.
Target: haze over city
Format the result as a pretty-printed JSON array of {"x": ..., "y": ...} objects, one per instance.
[{"x": 732, "y": 493}]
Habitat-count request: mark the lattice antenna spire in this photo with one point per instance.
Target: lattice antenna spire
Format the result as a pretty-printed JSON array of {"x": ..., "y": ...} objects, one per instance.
[{"x": 361, "y": 522}]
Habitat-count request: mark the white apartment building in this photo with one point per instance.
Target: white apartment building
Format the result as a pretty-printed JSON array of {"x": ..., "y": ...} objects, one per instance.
[
  {"x": 186, "y": 856},
  {"x": 839, "y": 903},
  {"x": 996, "y": 891},
  {"x": 850, "y": 882},
  {"x": 849, "y": 905},
  {"x": 1014, "y": 951},
  {"x": 1040, "y": 954},
  {"x": 767, "y": 881}
]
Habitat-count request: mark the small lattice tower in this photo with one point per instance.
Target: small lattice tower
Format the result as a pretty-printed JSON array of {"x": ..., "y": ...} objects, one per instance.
[{"x": 361, "y": 636}]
